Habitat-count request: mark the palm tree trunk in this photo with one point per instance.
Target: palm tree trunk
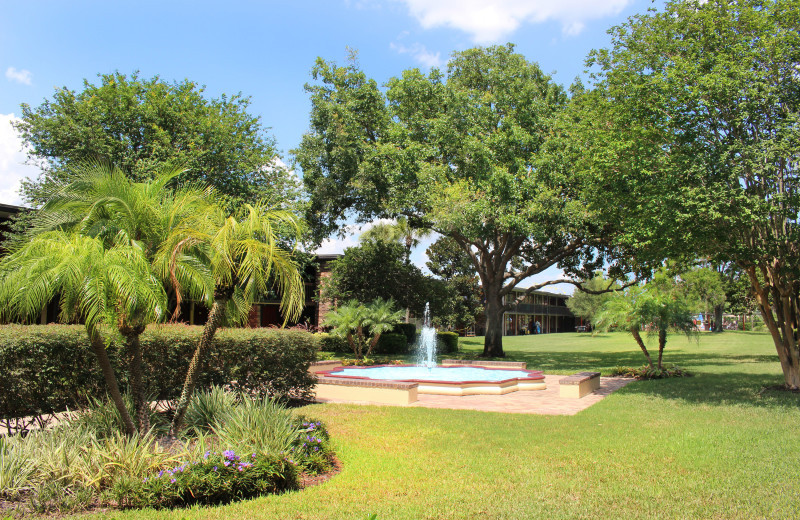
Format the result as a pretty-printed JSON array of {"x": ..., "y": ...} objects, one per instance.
[
  {"x": 99, "y": 349},
  {"x": 212, "y": 324},
  {"x": 662, "y": 342},
  {"x": 638, "y": 338},
  {"x": 140, "y": 402}
]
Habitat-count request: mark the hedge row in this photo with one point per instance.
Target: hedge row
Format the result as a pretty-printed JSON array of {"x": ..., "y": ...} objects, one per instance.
[
  {"x": 392, "y": 343},
  {"x": 49, "y": 368}
]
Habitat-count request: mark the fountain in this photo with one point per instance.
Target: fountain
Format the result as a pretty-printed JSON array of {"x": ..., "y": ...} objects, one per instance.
[
  {"x": 426, "y": 350},
  {"x": 453, "y": 378}
]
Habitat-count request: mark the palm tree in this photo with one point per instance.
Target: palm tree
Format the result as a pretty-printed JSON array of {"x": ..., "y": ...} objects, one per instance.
[
  {"x": 103, "y": 203},
  {"x": 247, "y": 260},
  {"x": 94, "y": 283},
  {"x": 655, "y": 305},
  {"x": 621, "y": 310},
  {"x": 356, "y": 322}
]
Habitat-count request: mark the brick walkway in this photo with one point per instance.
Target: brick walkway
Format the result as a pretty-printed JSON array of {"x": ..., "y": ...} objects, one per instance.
[{"x": 545, "y": 402}]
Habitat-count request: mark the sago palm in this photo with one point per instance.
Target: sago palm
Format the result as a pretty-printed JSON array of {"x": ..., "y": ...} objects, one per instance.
[
  {"x": 247, "y": 260},
  {"x": 95, "y": 283}
]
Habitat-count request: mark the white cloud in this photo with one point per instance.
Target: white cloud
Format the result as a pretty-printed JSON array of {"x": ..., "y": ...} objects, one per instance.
[
  {"x": 12, "y": 169},
  {"x": 20, "y": 76},
  {"x": 420, "y": 53},
  {"x": 492, "y": 21}
]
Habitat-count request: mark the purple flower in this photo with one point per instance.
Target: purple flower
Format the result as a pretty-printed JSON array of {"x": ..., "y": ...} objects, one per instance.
[
  {"x": 227, "y": 463},
  {"x": 215, "y": 468},
  {"x": 229, "y": 454},
  {"x": 172, "y": 480}
]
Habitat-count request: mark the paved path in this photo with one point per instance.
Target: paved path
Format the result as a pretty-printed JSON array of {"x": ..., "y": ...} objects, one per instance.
[{"x": 545, "y": 402}]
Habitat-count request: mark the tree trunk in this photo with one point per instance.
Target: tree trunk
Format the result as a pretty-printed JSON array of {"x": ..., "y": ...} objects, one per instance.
[
  {"x": 99, "y": 349},
  {"x": 190, "y": 381},
  {"x": 135, "y": 369},
  {"x": 783, "y": 333},
  {"x": 718, "y": 318},
  {"x": 493, "y": 342},
  {"x": 662, "y": 342},
  {"x": 638, "y": 338}
]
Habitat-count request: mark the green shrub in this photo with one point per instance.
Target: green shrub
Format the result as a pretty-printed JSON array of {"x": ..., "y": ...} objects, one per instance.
[
  {"x": 261, "y": 426},
  {"x": 447, "y": 342},
  {"x": 408, "y": 329},
  {"x": 50, "y": 368},
  {"x": 647, "y": 372},
  {"x": 209, "y": 407},
  {"x": 102, "y": 418},
  {"x": 392, "y": 343},
  {"x": 47, "y": 369},
  {"x": 330, "y": 343},
  {"x": 312, "y": 451},
  {"x": 15, "y": 471},
  {"x": 217, "y": 478}
]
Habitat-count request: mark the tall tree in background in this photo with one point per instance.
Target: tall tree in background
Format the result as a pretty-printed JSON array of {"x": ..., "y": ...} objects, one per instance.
[
  {"x": 448, "y": 262},
  {"x": 140, "y": 124},
  {"x": 693, "y": 127},
  {"x": 703, "y": 289},
  {"x": 591, "y": 297},
  {"x": 377, "y": 270},
  {"x": 458, "y": 153}
]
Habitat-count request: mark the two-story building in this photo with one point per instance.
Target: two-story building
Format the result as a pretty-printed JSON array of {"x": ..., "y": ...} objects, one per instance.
[{"x": 539, "y": 312}]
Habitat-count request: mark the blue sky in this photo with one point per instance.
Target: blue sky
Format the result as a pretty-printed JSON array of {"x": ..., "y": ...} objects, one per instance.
[{"x": 266, "y": 49}]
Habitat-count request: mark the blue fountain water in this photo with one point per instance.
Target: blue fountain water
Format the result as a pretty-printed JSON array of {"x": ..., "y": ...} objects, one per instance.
[{"x": 433, "y": 373}]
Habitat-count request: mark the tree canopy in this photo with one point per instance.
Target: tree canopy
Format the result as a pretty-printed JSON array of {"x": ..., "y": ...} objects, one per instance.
[
  {"x": 140, "y": 124},
  {"x": 460, "y": 152},
  {"x": 693, "y": 131}
]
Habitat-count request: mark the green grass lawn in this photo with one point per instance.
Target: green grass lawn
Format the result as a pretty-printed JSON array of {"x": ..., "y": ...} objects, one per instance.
[{"x": 717, "y": 445}]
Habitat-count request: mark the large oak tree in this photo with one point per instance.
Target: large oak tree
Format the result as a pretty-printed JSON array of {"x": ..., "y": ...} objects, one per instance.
[{"x": 460, "y": 152}]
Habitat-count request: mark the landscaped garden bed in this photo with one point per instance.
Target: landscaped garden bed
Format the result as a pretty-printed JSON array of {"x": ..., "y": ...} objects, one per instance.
[{"x": 234, "y": 447}]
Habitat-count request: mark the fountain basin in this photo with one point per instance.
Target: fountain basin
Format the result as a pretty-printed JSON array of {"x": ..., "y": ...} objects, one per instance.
[{"x": 449, "y": 380}]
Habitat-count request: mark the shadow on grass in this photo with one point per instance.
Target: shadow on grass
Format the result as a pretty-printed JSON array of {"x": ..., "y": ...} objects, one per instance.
[
  {"x": 720, "y": 389},
  {"x": 558, "y": 362}
]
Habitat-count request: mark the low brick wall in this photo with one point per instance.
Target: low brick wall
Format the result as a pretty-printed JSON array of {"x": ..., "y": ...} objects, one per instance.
[
  {"x": 324, "y": 366},
  {"x": 369, "y": 390},
  {"x": 516, "y": 365}
]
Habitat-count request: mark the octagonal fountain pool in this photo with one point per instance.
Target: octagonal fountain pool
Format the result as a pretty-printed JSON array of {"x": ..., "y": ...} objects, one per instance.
[
  {"x": 446, "y": 380},
  {"x": 400, "y": 384}
]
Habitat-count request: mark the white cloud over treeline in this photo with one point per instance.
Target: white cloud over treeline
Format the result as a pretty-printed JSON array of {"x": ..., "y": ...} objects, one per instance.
[
  {"x": 492, "y": 21},
  {"x": 12, "y": 159}
]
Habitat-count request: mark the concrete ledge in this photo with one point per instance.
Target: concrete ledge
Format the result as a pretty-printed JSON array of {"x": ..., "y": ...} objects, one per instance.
[
  {"x": 384, "y": 392},
  {"x": 579, "y": 385},
  {"x": 322, "y": 366},
  {"x": 515, "y": 365},
  {"x": 481, "y": 388}
]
